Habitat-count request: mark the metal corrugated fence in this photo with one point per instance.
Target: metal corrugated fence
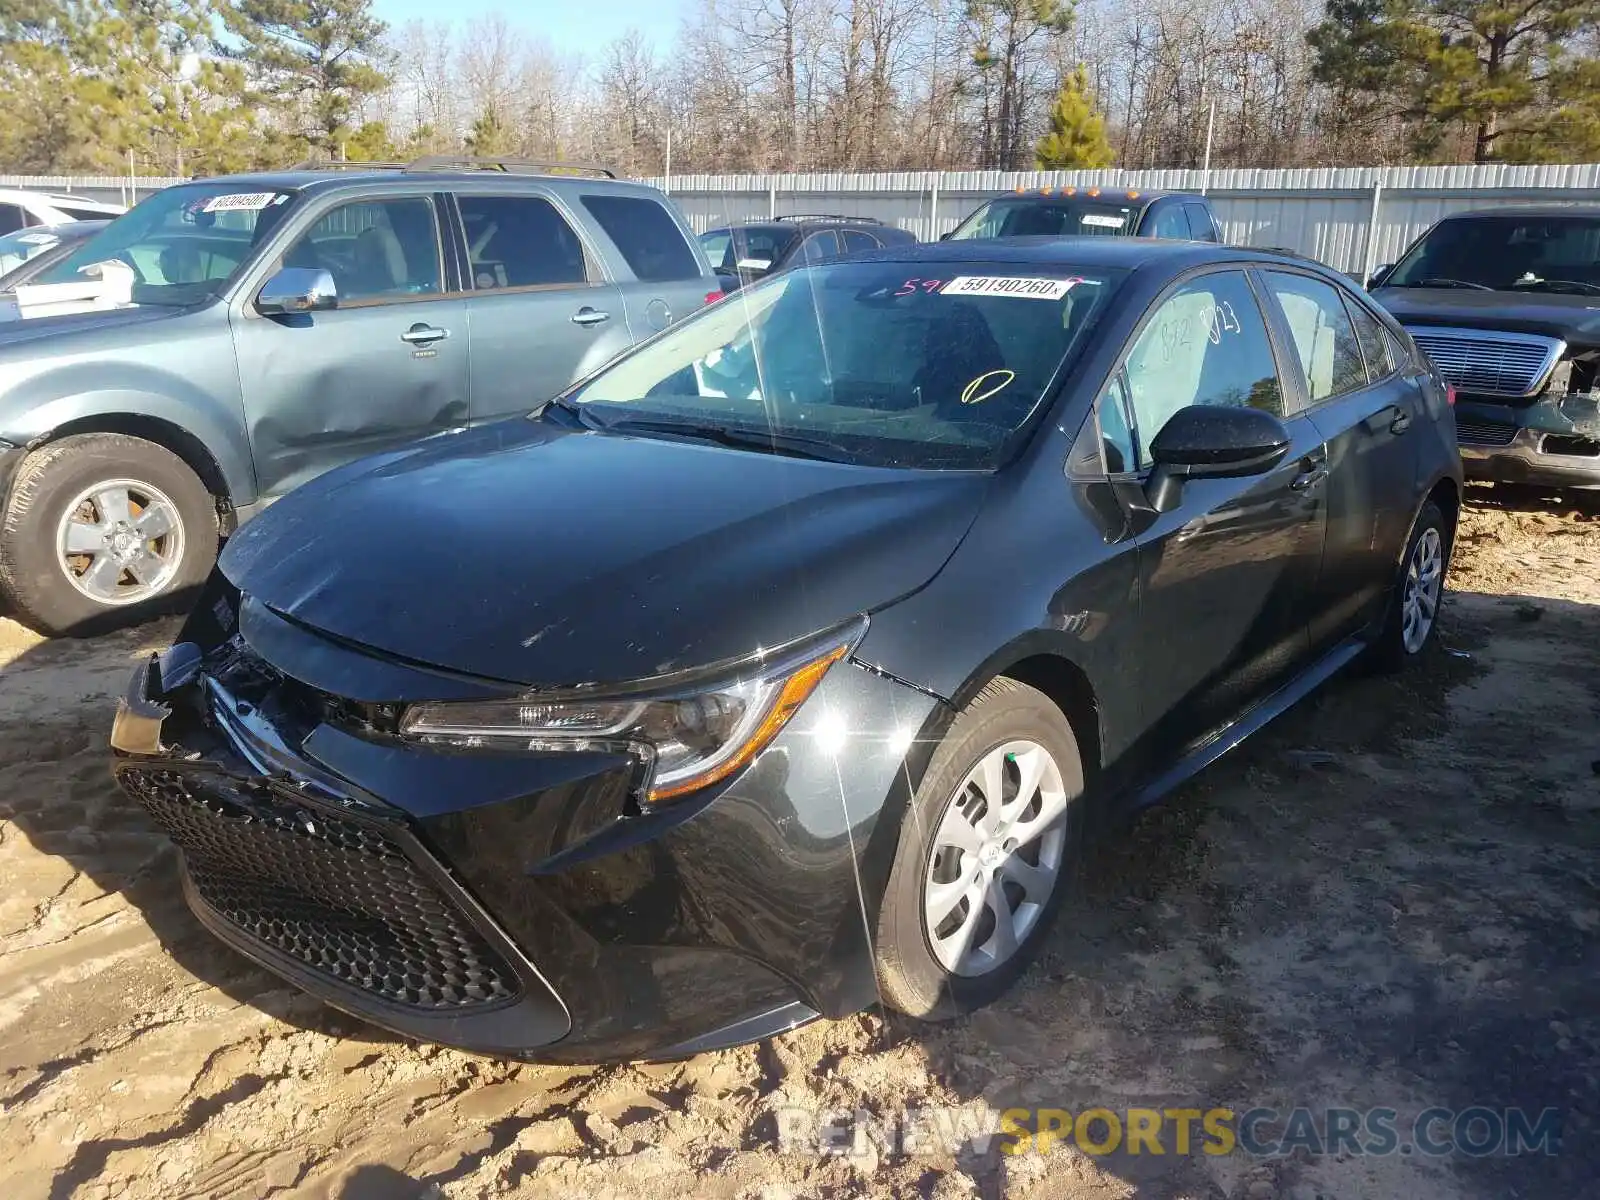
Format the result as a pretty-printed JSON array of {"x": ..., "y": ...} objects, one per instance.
[{"x": 1352, "y": 218}]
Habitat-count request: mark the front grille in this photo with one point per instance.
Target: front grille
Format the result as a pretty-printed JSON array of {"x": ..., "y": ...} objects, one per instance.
[
  {"x": 1474, "y": 431},
  {"x": 340, "y": 897},
  {"x": 1485, "y": 363}
]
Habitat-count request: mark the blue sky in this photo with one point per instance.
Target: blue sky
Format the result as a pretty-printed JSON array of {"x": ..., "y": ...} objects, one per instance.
[{"x": 574, "y": 26}]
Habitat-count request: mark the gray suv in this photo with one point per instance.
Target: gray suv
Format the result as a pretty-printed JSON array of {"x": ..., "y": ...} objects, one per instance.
[{"x": 250, "y": 332}]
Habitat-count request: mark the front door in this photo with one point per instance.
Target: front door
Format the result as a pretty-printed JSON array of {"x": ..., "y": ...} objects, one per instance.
[
  {"x": 386, "y": 366},
  {"x": 1225, "y": 577},
  {"x": 541, "y": 310},
  {"x": 1364, "y": 408}
]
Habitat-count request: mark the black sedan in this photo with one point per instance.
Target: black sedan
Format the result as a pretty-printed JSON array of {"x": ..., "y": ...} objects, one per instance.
[{"x": 785, "y": 663}]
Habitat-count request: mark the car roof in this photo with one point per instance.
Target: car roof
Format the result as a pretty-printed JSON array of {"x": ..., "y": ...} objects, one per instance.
[
  {"x": 72, "y": 229},
  {"x": 331, "y": 178},
  {"x": 1528, "y": 210},
  {"x": 1107, "y": 195},
  {"x": 1115, "y": 252}
]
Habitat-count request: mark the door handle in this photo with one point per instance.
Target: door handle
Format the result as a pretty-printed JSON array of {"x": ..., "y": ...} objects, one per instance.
[
  {"x": 421, "y": 335},
  {"x": 1313, "y": 470},
  {"x": 1393, "y": 417},
  {"x": 1401, "y": 422},
  {"x": 589, "y": 316}
]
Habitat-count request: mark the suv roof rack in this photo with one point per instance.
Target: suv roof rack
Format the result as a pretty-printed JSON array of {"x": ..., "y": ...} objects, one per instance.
[
  {"x": 506, "y": 166},
  {"x": 312, "y": 164},
  {"x": 828, "y": 217}
]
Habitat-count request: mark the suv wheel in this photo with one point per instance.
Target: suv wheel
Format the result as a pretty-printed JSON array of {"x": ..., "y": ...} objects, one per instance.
[
  {"x": 986, "y": 853},
  {"x": 102, "y": 530},
  {"x": 1413, "y": 617}
]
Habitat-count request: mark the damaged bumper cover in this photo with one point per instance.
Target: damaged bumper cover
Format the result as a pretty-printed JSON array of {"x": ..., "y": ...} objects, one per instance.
[
  {"x": 518, "y": 905},
  {"x": 1554, "y": 442}
]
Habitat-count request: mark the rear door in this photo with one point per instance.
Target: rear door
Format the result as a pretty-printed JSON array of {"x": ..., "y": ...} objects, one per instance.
[
  {"x": 663, "y": 278},
  {"x": 1226, "y": 576},
  {"x": 1365, "y": 409},
  {"x": 387, "y": 366},
  {"x": 542, "y": 308}
]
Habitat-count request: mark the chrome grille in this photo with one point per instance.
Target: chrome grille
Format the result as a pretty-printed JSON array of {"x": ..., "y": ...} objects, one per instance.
[
  {"x": 1473, "y": 431},
  {"x": 1484, "y": 362}
]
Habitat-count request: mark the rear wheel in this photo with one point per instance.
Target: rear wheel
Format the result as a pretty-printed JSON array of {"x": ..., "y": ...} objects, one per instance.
[
  {"x": 1413, "y": 617},
  {"x": 103, "y": 530},
  {"x": 986, "y": 853}
]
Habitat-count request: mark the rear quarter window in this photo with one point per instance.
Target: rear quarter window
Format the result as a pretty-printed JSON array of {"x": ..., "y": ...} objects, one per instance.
[{"x": 647, "y": 237}]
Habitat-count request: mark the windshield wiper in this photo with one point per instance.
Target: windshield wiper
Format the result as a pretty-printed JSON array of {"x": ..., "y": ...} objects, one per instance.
[
  {"x": 795, "y": 445},
  {"x": 1440, "y": 281}
]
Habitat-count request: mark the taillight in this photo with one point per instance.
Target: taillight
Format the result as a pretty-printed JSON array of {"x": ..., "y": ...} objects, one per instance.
[
  {"x": 1450, "y": 394},
  {"x": 713, "y": 297}
]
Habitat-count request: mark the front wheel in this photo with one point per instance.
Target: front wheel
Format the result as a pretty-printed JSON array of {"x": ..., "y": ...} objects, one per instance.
[
  {"x": 103, "y": 530},
  {"x": 986, "y": 853}
]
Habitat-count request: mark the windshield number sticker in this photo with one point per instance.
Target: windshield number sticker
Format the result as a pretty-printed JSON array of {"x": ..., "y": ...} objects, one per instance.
[
  {"x": 240, "y": 202},
  {"x": 1009, "y": 285},
  {"x": 1102, "y": 220},
  {"x": 38, "y": 239},
  {"x": 912, "y": 286}
]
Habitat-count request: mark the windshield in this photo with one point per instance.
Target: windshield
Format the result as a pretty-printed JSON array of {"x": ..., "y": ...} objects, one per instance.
[
  {"x": 184, "y": 244},
  {"x": 17, "y": 248},
  {"x": 1029, "y": 216},
  {"x": 870, "y": 363},
  {"x": 1502, "y": 253}
]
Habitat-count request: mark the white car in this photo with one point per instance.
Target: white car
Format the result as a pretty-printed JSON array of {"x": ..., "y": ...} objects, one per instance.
[{"x": 21, "y": 209}]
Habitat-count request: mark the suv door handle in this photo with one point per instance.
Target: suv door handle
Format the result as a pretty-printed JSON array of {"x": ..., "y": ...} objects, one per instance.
[
  {"x": 421, "y": 335},
  {"x": 1401, "y": 422},
  {"x": 1393, "y": 417},
  {"x": 589, "y": 316}
]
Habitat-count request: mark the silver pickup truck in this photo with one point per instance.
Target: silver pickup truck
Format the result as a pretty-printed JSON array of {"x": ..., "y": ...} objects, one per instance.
[{"x": 231, "y": 338}]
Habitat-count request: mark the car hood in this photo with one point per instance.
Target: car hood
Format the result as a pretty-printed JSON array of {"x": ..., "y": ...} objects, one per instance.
[
  {"x": 546, "y": 557},
  {"x": 1573, "y": 319},
  {"x": 17, "y": 330}
]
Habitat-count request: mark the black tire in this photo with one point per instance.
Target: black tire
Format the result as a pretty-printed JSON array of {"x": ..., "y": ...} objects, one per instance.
[
  {"x": 912, "y": 979},
  {"x": 1390, "y": 653},
  {"x": 33, "y": 576}
]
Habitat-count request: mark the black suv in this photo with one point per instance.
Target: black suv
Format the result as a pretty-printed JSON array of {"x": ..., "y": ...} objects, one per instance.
[
  {"x": 1504, "y": 301},
  {"x": 744, "y": 253},
  {"x": 1092, "y": 212}
]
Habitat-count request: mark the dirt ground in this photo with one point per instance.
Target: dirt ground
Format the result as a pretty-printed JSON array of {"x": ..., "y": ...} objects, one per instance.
[{"x": 1391, "y": 898}]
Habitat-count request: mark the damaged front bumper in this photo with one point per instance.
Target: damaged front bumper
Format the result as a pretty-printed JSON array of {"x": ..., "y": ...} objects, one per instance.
[
  {"x": 514, "y": 904},
  {"x": 1551, "y": 443}
]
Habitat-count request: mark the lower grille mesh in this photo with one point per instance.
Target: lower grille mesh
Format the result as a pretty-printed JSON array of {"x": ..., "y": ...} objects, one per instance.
[
  {"x": 335, "y": 895},
  {"x": 1477, "y": 432}
]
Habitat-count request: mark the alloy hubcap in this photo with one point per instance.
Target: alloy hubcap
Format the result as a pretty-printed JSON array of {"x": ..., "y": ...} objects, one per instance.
[
  {"x": 120, "y": 542},
  {"x": 996, "y": 858},
  {"x": 1423, "y": 586}
]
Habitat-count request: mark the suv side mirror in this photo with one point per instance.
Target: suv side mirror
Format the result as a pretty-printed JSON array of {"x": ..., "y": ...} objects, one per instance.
[
  {"x": 1377, "y": 277},
  {"x": 297, "y": 290},
  {"x": 1212, "y": 441}
]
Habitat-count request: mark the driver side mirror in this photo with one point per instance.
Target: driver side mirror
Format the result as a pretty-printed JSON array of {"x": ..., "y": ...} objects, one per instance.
[
  {"x": 1377, "y": 277},
  {"x": 1212, "y": 441},
  {"x": 296, "y": 290}
]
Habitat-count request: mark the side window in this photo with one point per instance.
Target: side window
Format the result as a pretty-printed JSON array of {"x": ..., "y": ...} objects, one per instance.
[
  {"x": 1205, "y": 344},
  {"x": 820, "y": 247},
  {"x": 1116, "y": 433},
  {"x": 854, "y": 239},
  {"x": 1330, "y": 356},
  {"x": 650, "y": 241},
  {"x": 520, "y": 241},
  {"x": 1201, "y": 227},
  {"x": 12, "y": 218},
  {"x": 1374, "y": 345},
  {"x": 375, "y": 250},
  {"x": 1169, "y": 222}
]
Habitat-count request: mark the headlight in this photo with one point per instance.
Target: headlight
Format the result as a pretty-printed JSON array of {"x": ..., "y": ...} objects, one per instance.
[{"x": 689, "y": 736}]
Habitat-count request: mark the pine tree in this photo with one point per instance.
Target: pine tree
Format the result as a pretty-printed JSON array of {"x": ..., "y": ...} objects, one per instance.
[
  {"x": 1077, "y": 137},
  {"x": 313, "y": 60}
]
